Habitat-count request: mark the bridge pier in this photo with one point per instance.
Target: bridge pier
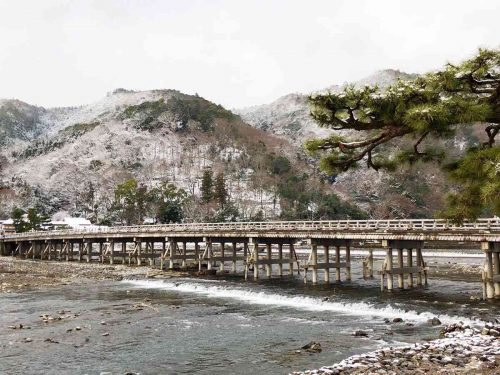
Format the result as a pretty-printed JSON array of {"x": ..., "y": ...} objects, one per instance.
[
  {"x": 389, "y": 271},
  {"x": 491, "y": 272},
  {"x": 314, "y": 264},
  {"x": 253, "y": 259}
]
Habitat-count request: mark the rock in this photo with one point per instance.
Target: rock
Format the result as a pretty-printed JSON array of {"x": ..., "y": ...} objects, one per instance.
[
  {"x": 312, "y": 347},
  {"x": 494, "y": 332},
  {"x": 28, "y": 339},
  {"x": 397, "y": 320},
  {"x": 485, "y": 331},
  {"x": 105, "y": 334},
  {"x": 434, "y": 322},
  {"x": 103, "y": 323},
  {"x": 360, "y": 333},
  {"x": 78, "y": 328}
]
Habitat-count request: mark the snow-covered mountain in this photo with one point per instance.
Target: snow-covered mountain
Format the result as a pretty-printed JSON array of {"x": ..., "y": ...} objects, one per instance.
[
  {"x": 289, "y": 117},
  {"x": 49, "y": 156}
]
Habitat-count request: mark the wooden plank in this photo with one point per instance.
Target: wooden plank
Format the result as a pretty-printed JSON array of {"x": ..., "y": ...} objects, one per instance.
[
  {"x": 400, "y": 271},
  {"x": 329, "y": 265},
  {"x": 229, "y": 259}
]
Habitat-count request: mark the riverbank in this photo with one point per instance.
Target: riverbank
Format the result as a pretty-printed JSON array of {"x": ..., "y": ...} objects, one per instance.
[
  {"x": 462, "y": 350},
  {"x": 17, "y": 275}
]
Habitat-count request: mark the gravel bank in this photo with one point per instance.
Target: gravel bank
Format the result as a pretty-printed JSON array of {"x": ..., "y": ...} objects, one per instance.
[
  {"x": 18, "y": 274},
  {"x": 462, "y": 350}
]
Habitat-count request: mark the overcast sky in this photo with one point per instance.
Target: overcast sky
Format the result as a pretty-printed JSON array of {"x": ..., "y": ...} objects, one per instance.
[{"x": 235, "y": 52}]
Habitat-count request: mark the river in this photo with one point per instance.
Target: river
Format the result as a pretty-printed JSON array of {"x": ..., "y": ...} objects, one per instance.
[{"x": 222, "y": 325}]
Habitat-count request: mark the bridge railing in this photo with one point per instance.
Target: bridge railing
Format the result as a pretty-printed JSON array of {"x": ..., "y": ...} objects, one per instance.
[{"x": 490, "y": 224}]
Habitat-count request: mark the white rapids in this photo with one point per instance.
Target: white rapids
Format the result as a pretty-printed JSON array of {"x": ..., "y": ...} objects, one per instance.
[{"x": 299, "y": 302}]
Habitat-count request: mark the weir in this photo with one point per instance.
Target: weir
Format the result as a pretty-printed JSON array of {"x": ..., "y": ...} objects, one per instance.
[{"x": 268, "y": 249}]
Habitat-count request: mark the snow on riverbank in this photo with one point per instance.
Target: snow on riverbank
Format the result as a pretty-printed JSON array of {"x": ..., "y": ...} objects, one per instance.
[{"x": 462, "y": 350}]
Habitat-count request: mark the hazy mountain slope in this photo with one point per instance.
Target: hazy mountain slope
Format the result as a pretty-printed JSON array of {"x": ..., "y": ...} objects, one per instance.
[
  {"x": 19, "y": 121},
  {"x": 289, "y": 115}
]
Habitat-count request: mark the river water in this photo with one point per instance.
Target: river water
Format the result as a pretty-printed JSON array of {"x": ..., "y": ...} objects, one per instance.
[{"x": 221, "y": 325}]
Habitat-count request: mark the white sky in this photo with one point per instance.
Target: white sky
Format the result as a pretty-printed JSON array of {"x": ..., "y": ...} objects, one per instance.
[{"x": 235, "y": 52}]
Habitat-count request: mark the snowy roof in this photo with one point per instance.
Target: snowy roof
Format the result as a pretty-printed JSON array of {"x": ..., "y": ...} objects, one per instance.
[
  {"x": 76, "y": 221},
  {"x": 7, "y": 222}
]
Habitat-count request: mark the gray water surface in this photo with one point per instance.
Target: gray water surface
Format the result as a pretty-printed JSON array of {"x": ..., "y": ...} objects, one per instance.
[{"x": 223, "y": 325}]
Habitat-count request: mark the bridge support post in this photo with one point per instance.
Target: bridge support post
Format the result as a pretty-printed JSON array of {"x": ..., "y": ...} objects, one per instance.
[
  {"x": 138, "y": 252},
  {"x": 488, "y": 273},
  {"x": 326, "y": 250},
  {"x": 314, "y": 263},
  {"x": 184, "y": 264},
  {"x": 171, "y": 249},
  {"x": 88, "y": 246},
  {"x": 233, "y": 248},
  {"x": 124, "y": 252},
  {"x": 112, "y": 252},
  {"x": 222, "y": 254},
  {"x": 409, "y": 262},
  {"x": 269, "y": 266},
  {"x": 101, "y": 255},
  {"x": 291, "y": 254},
  {"x": 255, "y": 252},
  {"x": 348, "y": 276},
  {"x": 152, "y": 260},
  {"x": 197, "y": 254},
  {"x": 496, "y": 273},
  {"x": 368, "y": 265},
  {"x": 337, "y": 260},
  {"x": 280, "y": 257},
  {"x": 210, "y": 253},
  {"x": 401, "y": 284},
  {"x": 390, "y": 280}
]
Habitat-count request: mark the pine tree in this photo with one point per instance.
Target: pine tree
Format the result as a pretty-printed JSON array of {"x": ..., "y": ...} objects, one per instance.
[
  {"x": 34, "y": 219},
  {"x": 17, "y": 217},
  {"x": 220, "y": 191},
  {"x": 431, "y": 106},
  {"x": 207, "y": 186}
]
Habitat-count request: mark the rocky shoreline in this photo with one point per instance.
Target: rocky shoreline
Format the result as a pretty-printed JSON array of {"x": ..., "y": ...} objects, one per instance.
[{"x": 461, "y": 350}]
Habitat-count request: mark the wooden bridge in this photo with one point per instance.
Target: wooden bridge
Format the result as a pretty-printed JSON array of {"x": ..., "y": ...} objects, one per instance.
[{"x": 257, "y": 244}]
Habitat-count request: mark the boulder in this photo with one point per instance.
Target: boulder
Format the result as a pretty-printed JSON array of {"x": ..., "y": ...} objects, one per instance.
[
  {"x": 434, "y": 322},
  {"x": 312, "y": 347},
  {"x": 360, "y": 333}
]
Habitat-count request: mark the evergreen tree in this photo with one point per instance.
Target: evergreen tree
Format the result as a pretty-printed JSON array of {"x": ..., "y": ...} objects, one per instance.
[
  {"x": 34, "y": 219},
  {"x": 220, "y": 191},
  {"x": 431, "y": 106},
  {"x": 207, "y": 186},
  {"x": 17, "y": 217},
  {"x": 169, "y": 201}
]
